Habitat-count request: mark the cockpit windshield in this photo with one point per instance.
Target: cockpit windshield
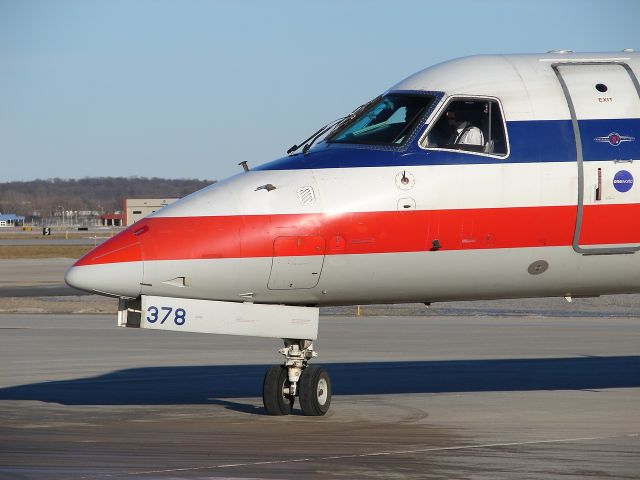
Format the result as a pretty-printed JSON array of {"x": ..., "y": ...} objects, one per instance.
[{"x": 390, "y": 121}]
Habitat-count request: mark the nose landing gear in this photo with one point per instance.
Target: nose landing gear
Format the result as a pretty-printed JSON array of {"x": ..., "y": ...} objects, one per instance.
[
  {"x": 283, "y": 383},
  {"x": 276, "y": 391},
  {"x": 315, "y": 391}
]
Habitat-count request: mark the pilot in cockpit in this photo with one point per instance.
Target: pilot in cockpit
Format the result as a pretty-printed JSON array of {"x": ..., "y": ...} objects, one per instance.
[
  {"x": 463, "y": 131},
  {"x": 455, "y": 128}
]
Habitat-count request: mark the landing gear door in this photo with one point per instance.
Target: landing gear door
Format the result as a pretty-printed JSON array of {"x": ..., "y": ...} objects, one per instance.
[
  {"x": 297, "y": 262},
  {"x": 604, "y": 100}
]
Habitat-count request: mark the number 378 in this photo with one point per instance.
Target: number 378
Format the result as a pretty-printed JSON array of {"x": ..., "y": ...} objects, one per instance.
[{"x": 164, "y": 313}]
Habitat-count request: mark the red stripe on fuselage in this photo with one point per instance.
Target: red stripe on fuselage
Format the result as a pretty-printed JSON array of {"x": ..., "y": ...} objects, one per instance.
[{"x": 182, "y": 238}]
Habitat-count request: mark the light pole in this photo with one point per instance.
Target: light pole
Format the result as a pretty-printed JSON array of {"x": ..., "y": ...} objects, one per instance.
[{"x": 62, "y": 208}]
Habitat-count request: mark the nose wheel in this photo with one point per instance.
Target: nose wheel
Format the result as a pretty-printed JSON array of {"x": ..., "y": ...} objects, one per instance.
[
  {"x": 283, "y": 383},
  {"x": 276, "y": 390},
  {"x": 315, "y": 391}
]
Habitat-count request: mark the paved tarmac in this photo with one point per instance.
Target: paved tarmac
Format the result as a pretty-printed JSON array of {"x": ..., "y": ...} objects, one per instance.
[
  {"x": 53, "y": 241},
  {"x": 445, "y": 397},
  {"x": 35, "y": 277}
]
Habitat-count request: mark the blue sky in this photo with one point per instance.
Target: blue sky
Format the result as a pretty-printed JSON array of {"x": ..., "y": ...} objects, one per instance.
[{"x": 187, "y": 89}]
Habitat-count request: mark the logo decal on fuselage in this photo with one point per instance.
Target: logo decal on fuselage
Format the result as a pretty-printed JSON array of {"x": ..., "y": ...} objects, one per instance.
[
  {"x": 623, "y": 181},
  {"x": 615, "y": 139}
]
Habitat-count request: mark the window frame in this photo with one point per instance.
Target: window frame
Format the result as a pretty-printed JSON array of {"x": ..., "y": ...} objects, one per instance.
[{"x": 439, "y": 112}]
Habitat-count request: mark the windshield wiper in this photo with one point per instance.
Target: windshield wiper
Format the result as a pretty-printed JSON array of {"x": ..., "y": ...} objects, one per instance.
[
  {"x": 331, "y": 126},
  {"x": 315, "y": 136}
]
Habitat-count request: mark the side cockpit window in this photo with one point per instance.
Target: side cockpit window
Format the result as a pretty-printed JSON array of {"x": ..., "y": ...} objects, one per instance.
[{"x": 469, "y": 125}]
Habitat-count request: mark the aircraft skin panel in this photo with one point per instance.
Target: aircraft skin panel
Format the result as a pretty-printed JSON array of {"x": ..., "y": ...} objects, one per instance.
[
  {"x": 435, "y": 187},
  {"x": 187, "y": 238},
  {"x": 399, "y": 277},
  {"x": 297, "y": 262},
  {"x": 460, "y": 275},
  {"x": 526, "y": 84},
  {"x": 452, "y": 215},
  {"x": 619, "y": 101},
  {"x": 114, "y": 279},
  {"x": 184, "y": 238},
  {"x": 488, "y": 177},
  {"x": 376, "y": 189},
  {"x": 529, "y": 141}
]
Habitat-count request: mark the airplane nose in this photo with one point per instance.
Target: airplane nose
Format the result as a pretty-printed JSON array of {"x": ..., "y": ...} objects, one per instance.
[
  {"x": 117, "y": 279},
  {"x": 113, "y": 268}
]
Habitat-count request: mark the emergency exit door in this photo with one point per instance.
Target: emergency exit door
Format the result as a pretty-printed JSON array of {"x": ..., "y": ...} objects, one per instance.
[{"x": 604, "y": 101}]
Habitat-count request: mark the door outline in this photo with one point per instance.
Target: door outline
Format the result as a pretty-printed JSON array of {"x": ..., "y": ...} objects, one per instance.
[
  {"x": 276, "y": 267},
  {"x": 580, "y": 160}
]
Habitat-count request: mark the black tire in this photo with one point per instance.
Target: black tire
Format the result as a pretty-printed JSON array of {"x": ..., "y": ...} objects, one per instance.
[
  {"x": 315, "y": 391},
  {"x": 275, "y": 401}
]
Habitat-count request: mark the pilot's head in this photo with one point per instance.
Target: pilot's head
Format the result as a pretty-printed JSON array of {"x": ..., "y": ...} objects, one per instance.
[{"x": 451, "y": 118}]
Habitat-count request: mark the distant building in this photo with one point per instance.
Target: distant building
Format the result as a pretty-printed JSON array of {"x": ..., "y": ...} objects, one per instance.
[
  {"x": 11, "y": 220},
  {"x": 137, "y": 208},
  {"x": 111, "y": 220}
]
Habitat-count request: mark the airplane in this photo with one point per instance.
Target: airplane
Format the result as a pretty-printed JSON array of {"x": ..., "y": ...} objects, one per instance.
[{"x": 484, "y": 177}]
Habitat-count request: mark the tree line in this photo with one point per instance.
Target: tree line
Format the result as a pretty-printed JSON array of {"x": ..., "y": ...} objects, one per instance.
[{"x": 41, "y": 198}]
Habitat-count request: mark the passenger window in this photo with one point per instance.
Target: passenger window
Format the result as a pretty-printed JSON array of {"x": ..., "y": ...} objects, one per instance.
[{"x": 471, "y": 126}]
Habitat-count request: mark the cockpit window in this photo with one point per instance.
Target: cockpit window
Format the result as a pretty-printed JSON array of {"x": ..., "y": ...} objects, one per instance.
[
  {"x": 389, "y": 121},
  {"x": 471, "y": 125}
]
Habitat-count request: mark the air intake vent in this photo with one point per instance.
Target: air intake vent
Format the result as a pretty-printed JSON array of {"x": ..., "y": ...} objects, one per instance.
[{"x": 306, "y": 195}]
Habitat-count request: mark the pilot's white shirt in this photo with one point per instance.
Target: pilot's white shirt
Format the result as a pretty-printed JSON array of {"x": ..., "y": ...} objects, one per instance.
[{"x": 472, "y": 135}]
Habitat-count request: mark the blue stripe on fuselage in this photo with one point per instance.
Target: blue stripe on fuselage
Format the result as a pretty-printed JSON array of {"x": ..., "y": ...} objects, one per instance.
[
  {"x": 530, "y": 141},
  {"x": 595, "y": 148}
]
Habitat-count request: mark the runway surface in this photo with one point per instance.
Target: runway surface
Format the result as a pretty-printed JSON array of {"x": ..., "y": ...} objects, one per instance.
[{"x": 478, "y": 397}]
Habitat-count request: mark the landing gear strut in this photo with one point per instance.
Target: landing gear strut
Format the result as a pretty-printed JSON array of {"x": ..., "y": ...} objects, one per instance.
[{"x": 283, "y": 383}]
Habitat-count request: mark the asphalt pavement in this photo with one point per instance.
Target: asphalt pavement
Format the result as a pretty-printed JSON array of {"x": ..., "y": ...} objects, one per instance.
[{"x": 441, "y": 396}]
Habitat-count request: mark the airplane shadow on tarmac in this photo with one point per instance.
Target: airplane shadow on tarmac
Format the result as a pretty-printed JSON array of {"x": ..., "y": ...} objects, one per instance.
[{"x": 218, "y": 384}]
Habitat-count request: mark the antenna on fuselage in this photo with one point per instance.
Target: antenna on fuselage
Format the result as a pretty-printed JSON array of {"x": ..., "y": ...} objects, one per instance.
[{"x": 245, "y": 167}]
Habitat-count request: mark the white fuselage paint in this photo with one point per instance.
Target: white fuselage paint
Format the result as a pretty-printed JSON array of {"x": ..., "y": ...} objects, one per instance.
[{"x": 528, "y": 90}]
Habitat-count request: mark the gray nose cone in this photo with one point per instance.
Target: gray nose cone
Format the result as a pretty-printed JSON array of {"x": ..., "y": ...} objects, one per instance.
[{"x": 114, "y": 279}]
